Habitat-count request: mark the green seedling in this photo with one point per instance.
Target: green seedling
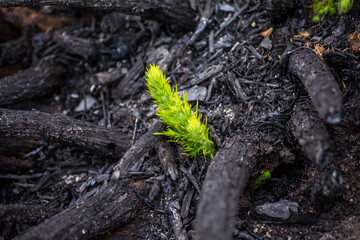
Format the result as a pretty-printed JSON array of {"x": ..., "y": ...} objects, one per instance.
[
  {"x": 184, "y": 125},
  {"x": 260, "y": 180},
  {"x": 330, "y": 7},
  {"x": 322, "y": 8},
  {"x": 344, "y": 6}
]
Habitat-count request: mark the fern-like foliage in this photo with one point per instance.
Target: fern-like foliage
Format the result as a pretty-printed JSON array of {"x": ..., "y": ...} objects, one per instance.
[{"x": 184, "y": 126}]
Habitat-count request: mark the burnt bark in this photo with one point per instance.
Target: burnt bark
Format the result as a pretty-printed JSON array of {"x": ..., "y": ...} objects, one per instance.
[
  {"x": 72, "y": 132},
  {"x": 161, "y": 10},
  {"x": 131, "y": 84},
  {"x": 115, "y": 204},
  {"x": 20, "y": 213},
  {"x": 35, "y": 81},
  {"x": 311, "y": 134},
  {"x": 13, "y": 51},
  {"x": 145, "y": 143},
  {"x": 326, "y": 189},
  {"x": 13, "y": 164},
  {"x": 319, "y": 82},
  {"x": 166, "y": 158},
  {"x": 225, "y": 180}
]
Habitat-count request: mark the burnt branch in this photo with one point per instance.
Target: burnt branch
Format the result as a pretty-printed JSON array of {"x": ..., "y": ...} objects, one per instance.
[
  {"x": 225, "y": 180},
  {"x": 311, "y": 134},
  {"x": 35, "y": 81},
  {"x": 161, "y": 10},
  {"x": 13, "y": 51},
  {"x": 319, "y": 83},
  {"x": 118, "y": 203},
  {"x": 114, "y": 205},
  {"x": 72, "y": 132},
  {"x": 145, "y": 143},
  {"x": 20, "y": 213}
]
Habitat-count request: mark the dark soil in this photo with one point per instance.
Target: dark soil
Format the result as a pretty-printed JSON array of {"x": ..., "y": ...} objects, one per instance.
[{"x": 95, "y": 62}]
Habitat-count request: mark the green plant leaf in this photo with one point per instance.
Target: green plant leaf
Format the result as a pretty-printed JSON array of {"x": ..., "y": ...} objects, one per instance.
[{"x": 184, "y": 126}]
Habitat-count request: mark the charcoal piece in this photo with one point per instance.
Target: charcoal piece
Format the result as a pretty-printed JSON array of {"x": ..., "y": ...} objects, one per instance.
[
  {"x": 311, "y": 134},
  {"x": 281, "y": 209},
  {"x": 196, "y": 93},
  {"x": 278, "y": 9},
  {"x": 35, "y": 81},
  {"x": 175, "y": 220},
  {"x": 118, "y": 51},
  {"x": 166, "y": 158},
  {"x": 85, "y": 48},
  {"x": 319, "y": 82},
  {"x": 326, "y": 189}
]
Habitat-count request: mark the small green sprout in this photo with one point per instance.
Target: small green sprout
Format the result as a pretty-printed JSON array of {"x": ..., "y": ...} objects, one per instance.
[
  {"x": 322, "y": 8},
  {"x": 344, "y": 6},
  {"x": 184, "y": 126},
  {"x": 260, "y": 180},
  {"x": 330, "y": 8}
]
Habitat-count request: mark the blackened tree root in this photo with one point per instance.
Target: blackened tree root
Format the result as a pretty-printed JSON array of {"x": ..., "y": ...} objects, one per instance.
[
  {"x": 319, "y": 82},
  {"x": 225, "y": 180},
  {"x": 311, "y": 134}
]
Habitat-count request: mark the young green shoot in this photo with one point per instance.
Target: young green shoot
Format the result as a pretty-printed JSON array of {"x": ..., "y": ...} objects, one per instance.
[
  {"x": 329, "y": 8},
  {"x": 184, "y": 125},
  {"x": 344, "y": 6},
  {"x": 261, "y": 179}
]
